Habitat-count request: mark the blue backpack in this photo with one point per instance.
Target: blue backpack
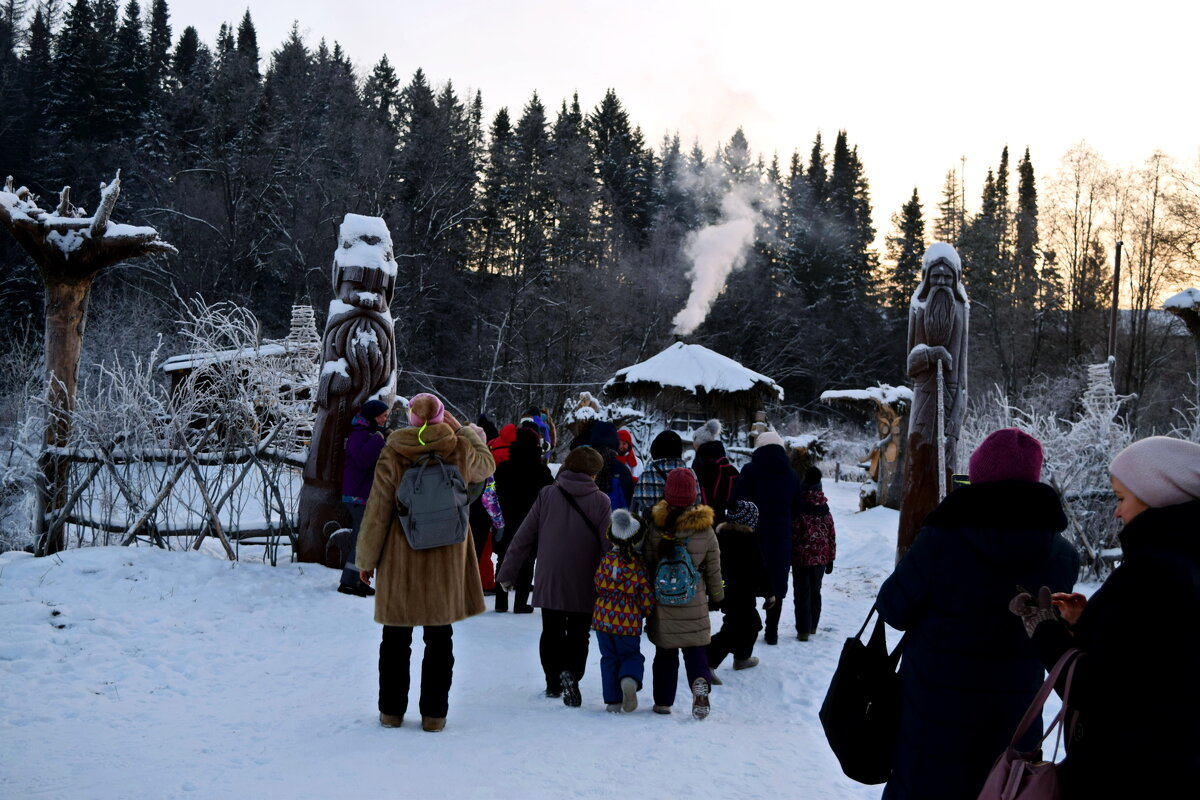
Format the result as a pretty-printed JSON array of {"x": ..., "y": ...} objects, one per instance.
[{"x": 676, "y": 577}]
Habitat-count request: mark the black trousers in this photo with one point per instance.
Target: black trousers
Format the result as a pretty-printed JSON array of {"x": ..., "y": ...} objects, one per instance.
[
  {"x": 739, "y": 631},
  {"x": 806, "y": 581},
  {"x": 437, "y": 670},
  {"x": 564, "y": 644}
]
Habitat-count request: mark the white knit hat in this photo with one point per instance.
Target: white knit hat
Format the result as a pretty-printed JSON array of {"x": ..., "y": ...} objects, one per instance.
[
  {"x": 624, "y": 525},
  {"x": 768, "y": 437},
  {"x": 708, "y": 432},
  {"x": 1160, "y": 471}
]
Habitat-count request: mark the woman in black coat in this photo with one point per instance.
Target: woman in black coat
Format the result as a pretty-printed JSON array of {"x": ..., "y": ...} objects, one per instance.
[
  {"x": 1135, "y": 695},
  {"x": 769, "y": 482},
  {"x": 968, "y": 673},
  {"x": 519, "y": 479}
]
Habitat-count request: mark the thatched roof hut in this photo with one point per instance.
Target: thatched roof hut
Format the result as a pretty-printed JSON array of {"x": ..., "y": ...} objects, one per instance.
[{"x": 691, "y": 384}]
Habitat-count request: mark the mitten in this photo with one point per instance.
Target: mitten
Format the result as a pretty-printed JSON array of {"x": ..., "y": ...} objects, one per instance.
[
  {"x": 497, "y": 535},
  {"x": 829, "y": 568},
  {"x": 1033, "y": 612},
  {"x": 506, "y": 587}
]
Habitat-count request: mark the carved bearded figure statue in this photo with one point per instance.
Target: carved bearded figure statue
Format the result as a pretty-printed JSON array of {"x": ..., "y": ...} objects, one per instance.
[
  {"x": 358, "y": 364},
  {"x": 937, "y": 332}
]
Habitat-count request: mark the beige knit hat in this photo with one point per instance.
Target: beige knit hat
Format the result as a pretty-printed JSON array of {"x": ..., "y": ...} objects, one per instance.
[
  {"x": 1160, "y": 471},
  {"x": 768, "y": 437}
]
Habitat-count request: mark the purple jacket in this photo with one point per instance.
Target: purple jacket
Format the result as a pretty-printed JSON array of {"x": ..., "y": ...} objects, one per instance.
[
  {"x": 568, "y": 552},
  {"x": 363, "y": 447}
]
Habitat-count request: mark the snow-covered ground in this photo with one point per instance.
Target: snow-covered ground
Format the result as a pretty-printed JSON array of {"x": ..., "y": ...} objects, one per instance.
[{"x": 140, "y": 673}]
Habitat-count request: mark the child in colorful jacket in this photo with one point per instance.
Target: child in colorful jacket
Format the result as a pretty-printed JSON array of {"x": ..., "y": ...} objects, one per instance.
[{"x": 623, "y": 599}]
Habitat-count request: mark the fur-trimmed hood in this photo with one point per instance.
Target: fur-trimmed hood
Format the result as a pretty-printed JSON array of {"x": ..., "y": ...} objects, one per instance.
[{"x": 696, "y": 518}]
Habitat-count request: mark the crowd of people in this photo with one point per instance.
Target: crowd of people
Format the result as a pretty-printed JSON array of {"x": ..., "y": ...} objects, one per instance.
[{"x": 615, "y": 543}]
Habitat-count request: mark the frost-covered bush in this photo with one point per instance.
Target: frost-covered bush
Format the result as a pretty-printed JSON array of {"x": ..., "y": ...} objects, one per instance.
[{"x": 1077, "y": 452}]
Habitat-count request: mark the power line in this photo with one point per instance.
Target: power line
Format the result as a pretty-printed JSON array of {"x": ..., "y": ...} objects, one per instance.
[{"x": 506, "y": 383}]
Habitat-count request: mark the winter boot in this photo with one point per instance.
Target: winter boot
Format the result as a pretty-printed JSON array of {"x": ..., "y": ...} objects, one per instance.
[
  {"x": 745, "y": 663},
  {"x": 802, "y": 636},
  {"x": 432, "y": 724},
  {"x": 700, "y": 691},
  {"x": 662, "y": 709},
  {"x": 613, "y": 708},
  {"x": 570, "y": 690},
  {"x": 713, "y": 679},
  {"x": 501, "y": 599},
  {"x": 390, "y": 720},
  {"x": 628, "y": 694}
]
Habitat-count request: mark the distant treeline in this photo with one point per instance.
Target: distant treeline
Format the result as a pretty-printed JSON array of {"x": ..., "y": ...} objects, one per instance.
[{"x": 536, "y": 246}]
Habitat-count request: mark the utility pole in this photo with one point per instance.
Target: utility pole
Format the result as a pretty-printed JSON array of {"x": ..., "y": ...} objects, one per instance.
[{"x": 1113, "y": 319}]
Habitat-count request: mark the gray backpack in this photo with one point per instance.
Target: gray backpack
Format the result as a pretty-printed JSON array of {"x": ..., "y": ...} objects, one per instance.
[{"x": 432, "y": 503}]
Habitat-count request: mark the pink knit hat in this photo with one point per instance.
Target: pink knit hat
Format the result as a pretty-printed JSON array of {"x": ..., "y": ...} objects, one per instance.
[
  {"x": 1008, "y": 454},
  {"x": 1160, "y": 471},
  {"x": 425, "y": 408},
  {"x": 681, "y": 487}
]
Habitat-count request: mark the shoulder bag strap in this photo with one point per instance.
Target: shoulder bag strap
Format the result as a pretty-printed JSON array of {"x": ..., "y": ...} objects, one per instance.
[
  {"x": 1035, "y": 708},
  {"x": 591, "y": 525}
]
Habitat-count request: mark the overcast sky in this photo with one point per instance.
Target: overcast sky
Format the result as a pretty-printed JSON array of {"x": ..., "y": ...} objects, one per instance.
[{"x": 917, "y": 85}]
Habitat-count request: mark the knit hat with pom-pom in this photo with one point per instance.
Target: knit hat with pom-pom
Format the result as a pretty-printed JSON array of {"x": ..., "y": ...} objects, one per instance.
[
  {"x": 708, "y": 432},
  {"x": 425, "y": 408},
  {"x": 624, "y": 527}
]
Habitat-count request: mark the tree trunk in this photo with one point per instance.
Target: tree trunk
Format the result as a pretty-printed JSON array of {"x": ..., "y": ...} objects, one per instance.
[{"x": 66, "y": 314}]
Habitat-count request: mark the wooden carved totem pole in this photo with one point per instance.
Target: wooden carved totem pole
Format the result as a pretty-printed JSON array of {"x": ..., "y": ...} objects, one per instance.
[
  {"x": 358, "y": 355},
  {"x": 937, "y": 362}
]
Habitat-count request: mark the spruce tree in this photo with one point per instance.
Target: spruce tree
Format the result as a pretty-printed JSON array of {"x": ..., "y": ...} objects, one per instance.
[
  {"x": 497, "y": 198},
  {"x": 949, "y": 224},
  {"x": 572, "y": 187},
  {"x": 158, "y": 47},
  {"x": 381, "y": 93},
  {"x": 905, "y": 248},
  {"x": 247, "y": 43}
]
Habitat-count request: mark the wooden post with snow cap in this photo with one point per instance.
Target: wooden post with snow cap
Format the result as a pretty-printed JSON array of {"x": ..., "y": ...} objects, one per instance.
[
  {"x": 937, "y": 362},
  {"x": 358, "y": 363},
  {"x": 70, "y": 249}
]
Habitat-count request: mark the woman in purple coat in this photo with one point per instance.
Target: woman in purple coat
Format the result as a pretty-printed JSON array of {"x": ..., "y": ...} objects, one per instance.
[
  {"x": 363, "y": 446},
  {"x": 565, "y": 529}
]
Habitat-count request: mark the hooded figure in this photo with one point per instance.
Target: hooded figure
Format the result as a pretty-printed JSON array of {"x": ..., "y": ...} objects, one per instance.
[
  {"x": 769, "y": 482},
  {"x": 969, "y": 672}
]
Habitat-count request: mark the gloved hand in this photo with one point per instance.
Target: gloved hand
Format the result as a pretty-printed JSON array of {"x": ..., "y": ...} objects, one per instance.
[
  {"x": 1033, "y": 612},
  {"x": 714, "y": 605},
  {"x": 497, "y": 535},
  {"x": 506, "y": 587},
  {"x": 769, "y": 603},
  {"x": 829, "y": 568}
]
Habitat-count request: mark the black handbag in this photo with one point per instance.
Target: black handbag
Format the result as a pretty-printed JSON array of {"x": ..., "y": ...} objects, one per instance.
[{"x": 861, "y": 712}]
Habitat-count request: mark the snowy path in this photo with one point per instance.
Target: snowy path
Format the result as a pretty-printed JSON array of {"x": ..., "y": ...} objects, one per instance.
[{"x": 138, "y": 673}]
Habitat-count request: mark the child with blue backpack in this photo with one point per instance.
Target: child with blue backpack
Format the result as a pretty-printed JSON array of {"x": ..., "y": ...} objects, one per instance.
[
  {"x": 623, "y": 599},
  {"x": 684, "y": 560}
]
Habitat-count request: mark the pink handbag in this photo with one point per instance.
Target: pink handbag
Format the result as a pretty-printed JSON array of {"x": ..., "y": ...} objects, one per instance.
[{"x": 1025, "y": 776}]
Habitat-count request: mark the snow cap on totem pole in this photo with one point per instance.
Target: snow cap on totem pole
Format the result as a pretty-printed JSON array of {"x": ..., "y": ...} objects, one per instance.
[{"x": 940, "y": 253}]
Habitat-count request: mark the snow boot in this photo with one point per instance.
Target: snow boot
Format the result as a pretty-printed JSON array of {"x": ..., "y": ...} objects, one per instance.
[
  {"x": 361, "y": 590},
  {"x": 390, "y": 720},
  {"x": 802, "y": 636},
  {"x": 613, "y": 708},
  {"x": 628, "y": 694},
  {"x": 745, "y": 663},
  {"x": 700, "y": 691},
  {"x": 501, "y": 600},
  {"x": 570, "y": 690},
  {"x": 713, "y": 680},
  {"x": 432, "y": 724},
  {"x": 662, "y": 709}
]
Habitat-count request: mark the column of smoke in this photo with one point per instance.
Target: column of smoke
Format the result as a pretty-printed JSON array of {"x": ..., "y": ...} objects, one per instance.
[{"x": 718, "y": 249}]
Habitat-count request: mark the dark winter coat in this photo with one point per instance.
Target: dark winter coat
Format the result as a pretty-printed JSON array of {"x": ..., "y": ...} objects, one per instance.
[
  {"x": 421, "y": 587},
  {"x": 969, "y": 670},
  {"x": 716, "y": 476},
  {"x": 567, "y": 550},
  {"x": 363, "y": 447},
  {"x": 519, "y": 480},
  {"x": 769, "y": 482},
  {"x": 687, "y": 625},
  {"x": 1137, "y": 686},
  {"x": 743, "y": 572},
  {"x": 814, "y": 539}
]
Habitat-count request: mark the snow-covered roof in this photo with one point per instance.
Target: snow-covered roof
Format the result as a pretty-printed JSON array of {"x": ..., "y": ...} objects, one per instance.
[
  {"x": 883, "y": 394},
  {"x": 1188, "y": 298},
  {"x": 194, "y": 360},
  {"x": 694, "y": 368}
]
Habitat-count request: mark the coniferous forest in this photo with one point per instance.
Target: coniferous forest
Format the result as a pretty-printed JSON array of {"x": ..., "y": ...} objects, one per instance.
[{"x": 549, "y": 244}]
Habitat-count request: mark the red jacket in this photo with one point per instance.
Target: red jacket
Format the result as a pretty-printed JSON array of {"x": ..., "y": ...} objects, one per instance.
[{"x": 500, "y": 445}]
